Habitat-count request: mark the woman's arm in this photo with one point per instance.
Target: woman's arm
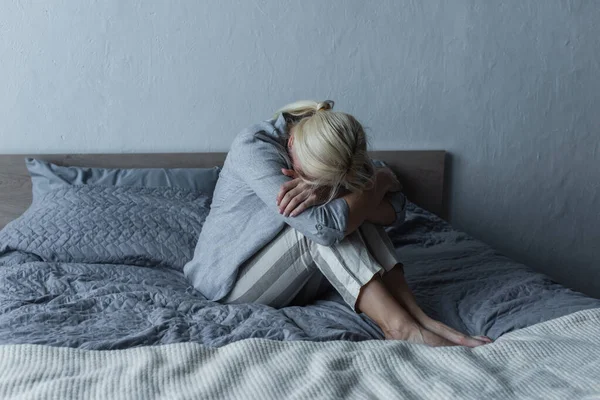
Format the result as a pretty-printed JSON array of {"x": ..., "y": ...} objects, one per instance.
[
  {"x": 371, "y": 205},
  {"x": 256, "y": 158},
  {"x": 383, "y": 214},
  {"x": 392, "y": 209},
  {"x": 376, "y": 205}
]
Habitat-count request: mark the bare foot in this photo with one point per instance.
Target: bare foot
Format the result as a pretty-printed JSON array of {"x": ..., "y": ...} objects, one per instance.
[
  {"x": 417, "y": 335},
  {"x": 484, "y": 339},
  {"x": 397, "y": 285},
  {"x": 452, "y": 335}
]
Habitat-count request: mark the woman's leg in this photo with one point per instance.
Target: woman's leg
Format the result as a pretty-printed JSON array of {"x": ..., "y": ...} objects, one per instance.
[
  {"x": 395, "y": 322},
  {"x": 356, "y": 275},
  {"x": 279, "y": 271},
  {"x": 396, "y": 283},
  {"x": 380, "y": 245}
]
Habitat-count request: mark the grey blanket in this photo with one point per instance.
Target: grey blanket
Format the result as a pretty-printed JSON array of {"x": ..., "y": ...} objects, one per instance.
[{"x": 73, "y": 273}]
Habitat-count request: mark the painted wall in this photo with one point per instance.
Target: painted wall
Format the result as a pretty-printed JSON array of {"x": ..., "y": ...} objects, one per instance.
[{"x": 510, "y": 88}]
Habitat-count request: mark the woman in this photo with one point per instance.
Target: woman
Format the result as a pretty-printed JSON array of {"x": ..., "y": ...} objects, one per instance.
[{"x": 299, "y": 206}]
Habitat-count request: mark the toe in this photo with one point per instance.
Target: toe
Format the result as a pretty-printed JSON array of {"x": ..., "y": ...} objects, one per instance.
[
  {"x": 469, "y": 341},
  {"x": 483, "y": 339}
]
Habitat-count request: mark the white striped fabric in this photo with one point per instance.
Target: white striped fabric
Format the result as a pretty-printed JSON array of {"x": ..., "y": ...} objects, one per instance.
[
  {"x": 287, "y": 265},
  {"x": 558, "y": 359}
]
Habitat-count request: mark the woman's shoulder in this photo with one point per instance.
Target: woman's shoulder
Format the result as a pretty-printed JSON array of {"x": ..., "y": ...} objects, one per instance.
[{"x": 272, "y": 131}]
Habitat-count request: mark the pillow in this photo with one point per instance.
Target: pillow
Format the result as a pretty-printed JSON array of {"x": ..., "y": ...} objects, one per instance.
[
  {"x": 110, "y": 225},
  {"x": 46, "y": 176},
  {"x": 140, "y": 216}
]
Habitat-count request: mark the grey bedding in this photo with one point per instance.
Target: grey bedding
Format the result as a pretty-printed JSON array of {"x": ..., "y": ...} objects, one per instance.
[
  {"x": 46, "y": 176},
  {"x": 74, "y": 274}
]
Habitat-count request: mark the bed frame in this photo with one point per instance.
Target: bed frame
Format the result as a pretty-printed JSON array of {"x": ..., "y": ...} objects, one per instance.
[{"x": 421, "y": 173}]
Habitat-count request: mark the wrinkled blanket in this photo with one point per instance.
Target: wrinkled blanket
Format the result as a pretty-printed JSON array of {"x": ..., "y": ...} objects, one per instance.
[
  {"x": 558, "y": 359},
  {"x": 100, "y": 268}
]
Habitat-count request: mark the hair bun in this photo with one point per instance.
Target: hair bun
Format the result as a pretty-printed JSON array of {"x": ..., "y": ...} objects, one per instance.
[{"x": 325, "y": 105}]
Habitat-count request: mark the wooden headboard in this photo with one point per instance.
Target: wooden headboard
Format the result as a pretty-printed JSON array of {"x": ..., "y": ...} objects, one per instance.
[{"x": 421, "y": 173}]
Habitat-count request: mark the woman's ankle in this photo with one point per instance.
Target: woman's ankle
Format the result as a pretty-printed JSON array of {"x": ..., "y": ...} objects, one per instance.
[
  {"x": 406, "y": 325},
  {"x": 381, "y": 306},
  {"x": 402, "y": 331}
]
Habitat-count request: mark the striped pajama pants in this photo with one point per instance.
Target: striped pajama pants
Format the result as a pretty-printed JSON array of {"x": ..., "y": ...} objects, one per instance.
[{"x": 294, "y": 270}]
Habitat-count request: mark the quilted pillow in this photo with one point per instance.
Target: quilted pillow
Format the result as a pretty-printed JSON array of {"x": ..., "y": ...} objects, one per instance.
[
  {"x": 46, "y": 176},
  {"x": 110, "y": 224}
]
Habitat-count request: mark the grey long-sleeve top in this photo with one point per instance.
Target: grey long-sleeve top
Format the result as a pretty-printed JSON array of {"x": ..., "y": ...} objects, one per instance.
[{"x": 244, "y": 215}]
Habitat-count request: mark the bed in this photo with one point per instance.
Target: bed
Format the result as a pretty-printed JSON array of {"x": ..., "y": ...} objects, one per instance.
[{"x": 88, "y": 313}]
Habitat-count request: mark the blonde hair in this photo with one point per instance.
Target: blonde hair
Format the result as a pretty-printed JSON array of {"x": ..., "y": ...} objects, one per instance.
[{"x": 330, "y": 146}]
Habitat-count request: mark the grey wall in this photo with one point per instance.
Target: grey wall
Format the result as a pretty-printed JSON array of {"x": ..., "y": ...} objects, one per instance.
[{"x": 510, "y": 88}]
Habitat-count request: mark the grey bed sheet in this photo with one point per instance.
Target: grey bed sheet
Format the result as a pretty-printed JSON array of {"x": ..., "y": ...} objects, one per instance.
[{"x": 456, "y": 279}]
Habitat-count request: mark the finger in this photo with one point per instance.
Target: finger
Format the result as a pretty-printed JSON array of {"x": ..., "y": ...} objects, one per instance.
[
  {"x": 299, "y": 210},
  {"x": 294, "y": 203},
  {"x": 286, "y": 187},
  {"x": 304, "y": 205},
  {"x": 287, "y": 198},
  {"x": 289, "y": 172}
]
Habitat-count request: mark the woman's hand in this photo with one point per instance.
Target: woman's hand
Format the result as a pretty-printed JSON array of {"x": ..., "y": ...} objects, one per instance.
[{"x": 296, "y": 195}]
